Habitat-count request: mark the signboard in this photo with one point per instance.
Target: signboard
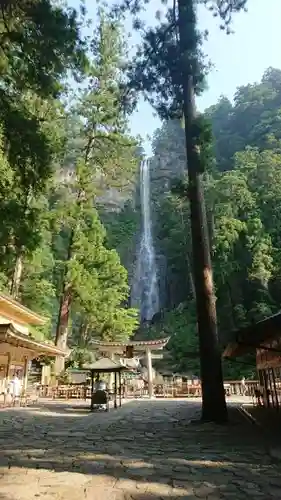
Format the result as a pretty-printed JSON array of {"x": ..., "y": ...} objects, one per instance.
[
  {"x": 130, "y": 375},
  {"x": 157, "y": 356}
]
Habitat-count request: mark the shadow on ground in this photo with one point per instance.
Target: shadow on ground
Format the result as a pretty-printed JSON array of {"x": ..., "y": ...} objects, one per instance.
[
  {"x": 145, "y": 450},
  {"x": 141, "y": 496}
]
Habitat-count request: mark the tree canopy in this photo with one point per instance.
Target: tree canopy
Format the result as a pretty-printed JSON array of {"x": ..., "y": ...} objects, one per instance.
[
  {"x": 243, "y": 206},
  {"x": 61, "y": 153}
]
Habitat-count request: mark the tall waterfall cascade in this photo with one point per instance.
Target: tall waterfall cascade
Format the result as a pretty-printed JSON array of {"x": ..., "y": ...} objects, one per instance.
[{"x": 145, "y": 288}]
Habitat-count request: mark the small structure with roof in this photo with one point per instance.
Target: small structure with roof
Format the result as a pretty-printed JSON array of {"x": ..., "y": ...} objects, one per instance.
[
  {"x": 17, "y": 346},
  {"x": 106, "y": 365},
  {"x": 264, "y": 340},
  {"x": 134, "y": 348}
]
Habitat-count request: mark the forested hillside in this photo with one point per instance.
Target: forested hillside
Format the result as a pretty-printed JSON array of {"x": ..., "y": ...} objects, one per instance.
[
  {"x": 67, "y": 161},
  {"x": 243, "y": 198}
]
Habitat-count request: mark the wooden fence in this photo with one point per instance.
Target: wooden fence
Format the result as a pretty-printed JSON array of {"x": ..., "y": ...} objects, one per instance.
[{"x": 166, "y": 390}]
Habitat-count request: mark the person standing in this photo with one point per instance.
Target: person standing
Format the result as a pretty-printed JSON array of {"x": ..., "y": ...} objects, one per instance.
[
  {"x": 243, "y": 386},
  {"x": 16, "y": 387},
  {"x": 99, "y": 385}
]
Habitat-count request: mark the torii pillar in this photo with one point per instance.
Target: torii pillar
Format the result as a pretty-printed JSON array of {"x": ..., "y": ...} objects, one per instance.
[{"x": 149, "y": 373}]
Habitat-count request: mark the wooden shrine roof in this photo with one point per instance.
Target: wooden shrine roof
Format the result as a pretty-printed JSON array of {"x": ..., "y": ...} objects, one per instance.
[
  {"x": 10, "y": 335},
  {"x": 10, "y": 306},
  {"x": 104, "y": 365},
  {"x": 251, "y": 337}
]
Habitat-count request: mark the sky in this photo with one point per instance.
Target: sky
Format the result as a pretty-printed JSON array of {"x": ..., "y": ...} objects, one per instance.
[{"x": 238, "y": 59}]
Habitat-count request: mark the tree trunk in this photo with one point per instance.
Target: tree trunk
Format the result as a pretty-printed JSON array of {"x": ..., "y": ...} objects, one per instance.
[
  {"x": 188, "y": 259},
  {"x": 15, "y": 285},
  {"x": 63, "y": 316},
  {"x": 213, "y": 396}
]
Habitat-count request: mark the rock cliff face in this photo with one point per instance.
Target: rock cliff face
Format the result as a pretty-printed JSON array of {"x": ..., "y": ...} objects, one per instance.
[
  {"x": 169, "y": 159},
  {"x": 168, "y": 164},
  {"x": 113, "y": 200}
]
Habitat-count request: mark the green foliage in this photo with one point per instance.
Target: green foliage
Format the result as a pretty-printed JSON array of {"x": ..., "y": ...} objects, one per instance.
[
  {"x": 253, "y": 119},
  {"x": 109, "y": 147},
  {"x": 56, "y": 163},
  {"x": 93, "y": 273},
  {"x": 225, "y": 10},
  {"x": 37, "y": 290},
  {"x": 40, "y": 46},
  {"x": 32, "y": 73},
  {"x": 25, "y": 59},
  {"x": 182, "y": 352},
  {"x": 121, "y": 228},
  {"x": 173, "y": 241},
  {"x": 243, "y": 205},
  {"x": 157, "y": 70},
  {"x": 90, "y": 278},
  {"x": 171, "y": 50}
]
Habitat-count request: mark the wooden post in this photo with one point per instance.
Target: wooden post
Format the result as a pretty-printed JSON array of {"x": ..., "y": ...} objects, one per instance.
[
  {"x": 149, "y": 373},
  {"x": 7, "y": 372},
  {"x": 115, "y": 389},
  {"x": 111, "y": 376},
  {"x": 92, "y": 388},
  {"x": 25, "y": 376},
  {"x": 120, "y": 390}
]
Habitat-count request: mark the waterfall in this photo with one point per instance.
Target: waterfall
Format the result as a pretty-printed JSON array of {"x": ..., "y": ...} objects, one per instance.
[{"x": 145, "y": 290}]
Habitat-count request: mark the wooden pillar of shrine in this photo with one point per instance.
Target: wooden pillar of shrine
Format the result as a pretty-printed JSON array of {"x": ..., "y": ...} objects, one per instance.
[
  {"x": 149, "y": 373},
  {"x": 115, "y": 390},
  {"x": 120, "y": 389},
  {"x": 7, "y": 377},
  {"x": 25, "y": 374}
]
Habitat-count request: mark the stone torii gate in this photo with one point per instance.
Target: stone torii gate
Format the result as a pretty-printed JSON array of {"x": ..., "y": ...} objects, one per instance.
[{"x": 134, "y": 348}]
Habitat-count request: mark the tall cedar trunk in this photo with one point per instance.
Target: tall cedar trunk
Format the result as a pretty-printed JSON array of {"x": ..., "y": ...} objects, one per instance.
[
  {"x": 188, "y": 260},
  {"x": 15, "y": 284},
  {"x": 213, "y": 396},
  {"x": 64, "y": 311}
]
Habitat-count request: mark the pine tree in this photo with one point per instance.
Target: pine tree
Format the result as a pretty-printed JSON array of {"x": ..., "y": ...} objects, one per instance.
[
  {"x": 94, "y": 283},
  {"x": 103, "y": 155}
]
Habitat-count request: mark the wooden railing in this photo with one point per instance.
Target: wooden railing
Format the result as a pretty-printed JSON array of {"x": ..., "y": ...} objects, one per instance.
[
  {"x": 237, "y": 388},
  {"x": 66, "y": 392},
  {"x": 166, "y": 390}
]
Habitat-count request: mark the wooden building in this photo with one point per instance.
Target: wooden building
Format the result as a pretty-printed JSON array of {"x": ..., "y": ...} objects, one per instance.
[
  {"x": 263, "y": 339},
  {"x": 17, "y": 346}
]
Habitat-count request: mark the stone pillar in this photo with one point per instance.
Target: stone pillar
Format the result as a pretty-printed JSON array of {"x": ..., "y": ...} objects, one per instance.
[{"x": 149, "y": 373}]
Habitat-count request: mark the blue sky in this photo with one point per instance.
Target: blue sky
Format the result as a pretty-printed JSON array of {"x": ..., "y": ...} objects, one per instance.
[{"x": 238, "y": 59}]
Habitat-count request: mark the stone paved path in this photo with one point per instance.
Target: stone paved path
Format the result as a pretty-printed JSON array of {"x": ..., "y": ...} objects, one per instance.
[{"x": 143, "y": 451}]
